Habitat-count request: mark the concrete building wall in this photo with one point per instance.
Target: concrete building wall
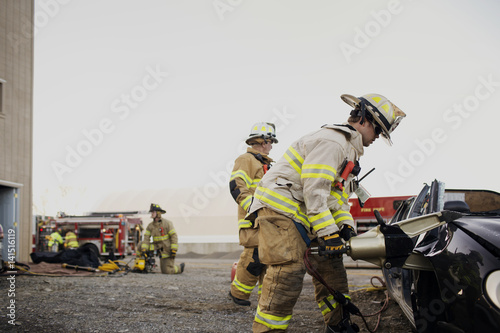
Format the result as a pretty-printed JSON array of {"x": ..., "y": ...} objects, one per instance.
[{"x": 16, "y": 123}]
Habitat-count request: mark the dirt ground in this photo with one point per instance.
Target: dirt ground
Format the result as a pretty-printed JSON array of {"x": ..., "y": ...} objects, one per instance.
[{"x": 195, "y": 301}]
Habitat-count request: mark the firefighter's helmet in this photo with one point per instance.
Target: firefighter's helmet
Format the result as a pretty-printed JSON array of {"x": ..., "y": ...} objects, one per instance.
[
  {"x": 262, "y": 130},
  {"x": 156, "y": 208},
  {"x": 380, "y": 109}
]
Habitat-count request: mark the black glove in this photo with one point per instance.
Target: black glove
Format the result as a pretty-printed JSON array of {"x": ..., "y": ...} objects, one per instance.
[
  {"x": 347, "y": 232},
  {"x": 173, "y": 253},
  {"x": 332, "y": 246}
]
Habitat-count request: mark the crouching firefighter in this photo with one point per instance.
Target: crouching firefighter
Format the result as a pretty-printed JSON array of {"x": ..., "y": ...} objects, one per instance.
[
  {"x": 164, "y": 238},
  {"x": 248, "y": 170},
  {"x": 303, "y": 201}
]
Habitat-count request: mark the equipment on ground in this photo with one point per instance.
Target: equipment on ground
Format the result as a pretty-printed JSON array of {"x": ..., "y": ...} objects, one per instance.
[
  {"x": 144, "y": 262},
  {"x": 79, "y": 268}
]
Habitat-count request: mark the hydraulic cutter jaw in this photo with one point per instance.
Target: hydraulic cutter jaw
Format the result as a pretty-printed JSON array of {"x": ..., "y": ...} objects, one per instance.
[{"x": 391, "y": 245}]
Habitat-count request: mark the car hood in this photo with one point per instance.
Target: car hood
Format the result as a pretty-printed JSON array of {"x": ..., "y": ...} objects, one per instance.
[{"x": 486, "y": 228}]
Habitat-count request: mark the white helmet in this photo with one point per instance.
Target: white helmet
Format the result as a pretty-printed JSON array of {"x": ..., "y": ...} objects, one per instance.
[
  {"x": 380, "y": 109},
  {"x": 265, "y": 131}
]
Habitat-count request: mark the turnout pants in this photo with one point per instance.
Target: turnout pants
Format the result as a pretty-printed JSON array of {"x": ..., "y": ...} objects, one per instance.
[
  {"x": 282, "y": 248},
  {"x": 249, "y": 270},
  {"x": 168, "y": 267}
]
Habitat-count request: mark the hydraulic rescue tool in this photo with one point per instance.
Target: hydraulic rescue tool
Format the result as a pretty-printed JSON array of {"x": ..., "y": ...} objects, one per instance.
[
  {"x": 389, "y": 245},
  {"x": 385, "y": 246},
  {"x": 145, "y": 262}
]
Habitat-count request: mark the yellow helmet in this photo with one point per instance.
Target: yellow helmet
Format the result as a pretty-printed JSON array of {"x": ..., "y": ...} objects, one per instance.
[
  {"x": 265, "y": 131},
  {"x": 380, "y": 109}
]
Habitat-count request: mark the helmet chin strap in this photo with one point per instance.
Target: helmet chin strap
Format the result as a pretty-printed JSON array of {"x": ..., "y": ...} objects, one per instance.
[{"x": 362, "y": 112}]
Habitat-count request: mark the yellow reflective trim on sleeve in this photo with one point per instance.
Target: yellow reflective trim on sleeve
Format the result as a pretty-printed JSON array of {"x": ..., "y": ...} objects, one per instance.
[
  {"x": 294, "y": 158},
  {"x": 243, "y": 224},
  {"x": 255, "y": 182},
  {"x": 341, "y": 198},
  {"x": 243, "y": 175},
  {"x": 322, "y": 220},
  {"x": 245, "y": 203},
  {"x": 318, "y": 171},
  {"x": 174, "y": 246},
  {"x": 273, "y": 322},
  {"x": 171, "y": 232},
  {"x": 342, "y": 215},
  {"x": 147, "y": 233}
]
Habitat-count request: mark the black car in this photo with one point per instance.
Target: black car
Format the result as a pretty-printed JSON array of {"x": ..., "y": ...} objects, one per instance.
[{"x": 451, "y": 281}]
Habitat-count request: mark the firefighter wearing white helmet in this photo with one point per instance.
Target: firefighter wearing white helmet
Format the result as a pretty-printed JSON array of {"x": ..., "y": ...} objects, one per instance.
[
  {"x": 264, "y": 131},
  {"x": 376, "y": 108},
  {"x": 303, "y": 201},
  {"x": 248, "y": 170}
]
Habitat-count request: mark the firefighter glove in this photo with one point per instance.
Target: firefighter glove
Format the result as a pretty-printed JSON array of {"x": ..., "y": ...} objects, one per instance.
[
  {"x": 173, "y": 253},
  {"x": 347, "y": 232},
  {"x": 332, "y": 246}
]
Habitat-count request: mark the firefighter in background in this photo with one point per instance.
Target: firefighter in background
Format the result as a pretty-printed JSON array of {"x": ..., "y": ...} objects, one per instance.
[
  {"x": 56, "y": 241},
  {"x": 70, "y": 240},
  {"x": 304, "y": 199},
  {"x": 248, "y": 170},
  {"x": 164, "y": 241}
]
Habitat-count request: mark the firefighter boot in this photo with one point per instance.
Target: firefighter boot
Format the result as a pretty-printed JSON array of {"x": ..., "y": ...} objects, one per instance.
[
  {"x": 182, "y": 267},
  {"x": 239, "y": 301}
]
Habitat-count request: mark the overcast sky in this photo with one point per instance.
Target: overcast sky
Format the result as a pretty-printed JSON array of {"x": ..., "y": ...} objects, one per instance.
[{"x": 134, "y": 96}]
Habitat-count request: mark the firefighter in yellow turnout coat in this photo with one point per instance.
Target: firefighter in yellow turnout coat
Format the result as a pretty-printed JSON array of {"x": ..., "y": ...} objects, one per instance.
[
  {"x": 164, "y": 241},
  {"x": 304, "y": 199},
  {"x": 248, "y": 170}
]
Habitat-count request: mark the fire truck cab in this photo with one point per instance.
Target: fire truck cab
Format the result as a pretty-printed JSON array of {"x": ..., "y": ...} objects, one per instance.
[
  {"x": 364, "y": 217},
  {"x": 107, "y": 234}
]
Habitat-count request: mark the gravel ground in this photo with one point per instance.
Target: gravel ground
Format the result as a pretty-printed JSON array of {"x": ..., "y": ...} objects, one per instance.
[{"x": 195, "y": 301}]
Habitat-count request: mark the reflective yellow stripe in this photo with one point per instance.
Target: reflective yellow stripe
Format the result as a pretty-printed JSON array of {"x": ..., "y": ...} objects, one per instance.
[
  {"x": 342, "y": 215},
  {"x": 282, "y": 203},
  {"x": 246, "y": 202},
  {"x": 273, "y": 322},
  {"x": 171, "y": 232},
  {"x": 174, "y": 246},
  {"x": 160, "y": 238},
  {"x": 294, "y": 158},
  {"x": 242, "y": 287},
  {"x": 243, "y": 175},
  {"x": 318, "y": 171},
  {"x": 324, "y": 307},
  {"x": 322, "y": 220},
  {"x": 242, "y": 224},
  {"x": 147, "y": 233},
  {"x": 255, "y": 182},
  {"x": 342, "y": 198}
]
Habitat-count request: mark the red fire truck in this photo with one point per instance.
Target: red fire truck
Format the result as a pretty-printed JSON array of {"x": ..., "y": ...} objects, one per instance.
[
  {"x": 107, "y": 233},
  {"x": 364, "y": 217}
]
